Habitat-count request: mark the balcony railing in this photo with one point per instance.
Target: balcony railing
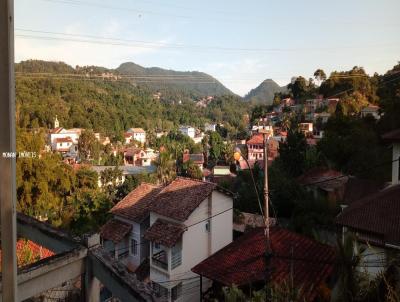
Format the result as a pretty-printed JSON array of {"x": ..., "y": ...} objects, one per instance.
[
  {"x": 160, "y": 260},
  {"x": 176, "y": 259}
]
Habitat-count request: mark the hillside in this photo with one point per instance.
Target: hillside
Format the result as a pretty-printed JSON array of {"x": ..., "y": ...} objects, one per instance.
[
  {"x": 196, "y": 84},
  {"x": 264, "y": 93},
  {"x": 172, "y": 84}
]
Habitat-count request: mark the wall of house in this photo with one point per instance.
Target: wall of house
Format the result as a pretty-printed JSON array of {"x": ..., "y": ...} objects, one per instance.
[
  {"x": 135, "y": 234},
  {"x": 73, "y": 135},
  {"x": 373, "y": 257}
]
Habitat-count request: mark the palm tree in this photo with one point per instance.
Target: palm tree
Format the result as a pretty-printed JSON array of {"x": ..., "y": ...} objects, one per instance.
[{"x": 166, "y": 169}]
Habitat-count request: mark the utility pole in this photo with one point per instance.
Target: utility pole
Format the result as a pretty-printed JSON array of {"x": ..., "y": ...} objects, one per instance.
[
  {"x": 7, "y": 153},
  {"x": 268, "y": 250}
]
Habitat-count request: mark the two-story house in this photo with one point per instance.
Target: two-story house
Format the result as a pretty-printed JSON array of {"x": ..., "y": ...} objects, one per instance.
[
  {"x": 123, "y": 234},
  {"x": 192, "y": 220},
  {"x": 137, "y": 134},
  {"x": 185, "y": 222},
  {"x": 188, "y": 131}
]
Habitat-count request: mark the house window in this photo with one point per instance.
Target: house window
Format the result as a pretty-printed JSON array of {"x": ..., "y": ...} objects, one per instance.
[
  {"x": 176, "y": 292},
  {"x": 156, "y": 245},
  {"x": 208, "y": 226},
  {"x": 134, "y": 247}
]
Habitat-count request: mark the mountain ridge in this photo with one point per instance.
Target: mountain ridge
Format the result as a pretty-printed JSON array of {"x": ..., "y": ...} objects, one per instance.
[
  {"x": 194, "y": 84},
  {"x": 264, "y": 93}
]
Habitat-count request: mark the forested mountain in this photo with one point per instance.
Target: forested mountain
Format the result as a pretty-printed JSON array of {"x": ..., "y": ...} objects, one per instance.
[
  {"x": 111, "y": 107},
  {"x": 171, "y": 84},
  {"x": 194, "y": 83},
  {"x": 264, "y": 93}
]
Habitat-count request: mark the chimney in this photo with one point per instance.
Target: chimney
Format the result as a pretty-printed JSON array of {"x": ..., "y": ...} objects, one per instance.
[{"x": 395, "y": 163}]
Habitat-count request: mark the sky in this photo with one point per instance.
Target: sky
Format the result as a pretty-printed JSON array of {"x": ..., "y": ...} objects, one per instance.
[{"x": 241, "y": 43}]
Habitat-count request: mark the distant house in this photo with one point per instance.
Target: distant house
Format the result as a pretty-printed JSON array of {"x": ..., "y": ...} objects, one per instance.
[
  {"x": 306, "y": 128},
  {"x": 176, "y": 227},
  {"x": 188, "y": 131},
  {"x": 134, "y": 156},
  {"x": 255, "y": 149},
  {"x": 324, "y": 116},
  {"x": 126, "y": 170},
  {"x": 324, "y": 182},
  {"x": 63, "y": 144},
  {"x": 372, "y": 111},
  {"x": 295, "y": 258},
  {"x": 210, "y": 127},
  {"x": 197, "y": 159},
  {"x": 137, "y": 134}
]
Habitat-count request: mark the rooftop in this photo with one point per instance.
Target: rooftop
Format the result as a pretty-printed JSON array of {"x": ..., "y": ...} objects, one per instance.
[
  {"x": 136, "y": 130},
  {"x": 181, "y": 197},
  {"x": 63, "y": 140},
  {"x": 243, "y": 261},
  {"x": 136, "y": 205},
  {"x": 164, "y": 232},
  {"x": 324, "y": 178},
  {"x": 196, "y": 158},
  {"x": 256, "y": 139},
  {"x": 115, "y": 230},
  {"x": 377, "y": 214}
]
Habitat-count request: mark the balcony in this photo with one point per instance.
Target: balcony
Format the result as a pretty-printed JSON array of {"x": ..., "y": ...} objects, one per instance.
[{"x": 160, "y": 260}]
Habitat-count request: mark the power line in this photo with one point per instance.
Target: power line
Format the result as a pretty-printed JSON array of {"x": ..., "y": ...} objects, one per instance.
[{"x": 85, "y": 38}]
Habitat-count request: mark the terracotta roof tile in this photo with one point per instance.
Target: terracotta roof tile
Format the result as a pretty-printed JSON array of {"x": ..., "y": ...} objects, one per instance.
[
  {"x": 243, "y": 261},
  {"x": 164, "y": 232},
  {"x": 256, "y": 139},
  {"x": 324, "y": 178},
  {"x": 195, "y": 158},
  {"x": 181, "y": 197},
  {"x": 115, "y": 230},
  {"x": 63, "y": 140},
  {"x": 137, "y": 204},
  {"x": 377, "y": 214}
]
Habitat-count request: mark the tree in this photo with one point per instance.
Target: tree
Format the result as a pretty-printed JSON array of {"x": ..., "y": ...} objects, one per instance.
[
  {"x": 292, "y": 153},
  {"x": 216, "y": 145},
  {"x": 166, "y": 169},
  {"x": 191, "y": 170},
  {"x": 87, "y": 145},
  {"x": 320, "y": 75}
]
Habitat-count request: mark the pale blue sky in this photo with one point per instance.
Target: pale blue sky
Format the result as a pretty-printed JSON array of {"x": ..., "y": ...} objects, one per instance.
[{"x": 241, "y": 43}]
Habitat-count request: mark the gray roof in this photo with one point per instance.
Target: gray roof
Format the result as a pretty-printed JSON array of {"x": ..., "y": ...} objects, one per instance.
[{"x": 127, "y": 170}]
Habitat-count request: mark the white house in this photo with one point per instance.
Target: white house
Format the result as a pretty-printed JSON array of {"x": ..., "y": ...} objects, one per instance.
[
  {"x": 210, "y": 127},
  {"x": 188, "y": 130},
  {"x": 371, "y": 110},
  {"x": 185, "y": 222},
  {"x": 137, "y": 134},
  {"x": 192, "y": 220}
]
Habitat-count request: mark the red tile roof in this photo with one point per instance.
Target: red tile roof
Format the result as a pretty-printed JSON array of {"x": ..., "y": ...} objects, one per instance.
[
  {"x": 115, "y": 230},
  {"x": 63, "y": 140},
  {"x": 243, "y": 261},
  {"x": 256, "y": 139},
  {"x": 181, "y": 197},
  {"x": 324, "y": 178},
  {"x": 56, "y": 130},
  {"x": 392, "y": 136},
  {"x": 36, "y": 252},
  {"x": 195, "y": 158},
  {"x": 377, "y": 214},
  {"x": 164, "y": 232},
  {"x": 137, "y": 204}
]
